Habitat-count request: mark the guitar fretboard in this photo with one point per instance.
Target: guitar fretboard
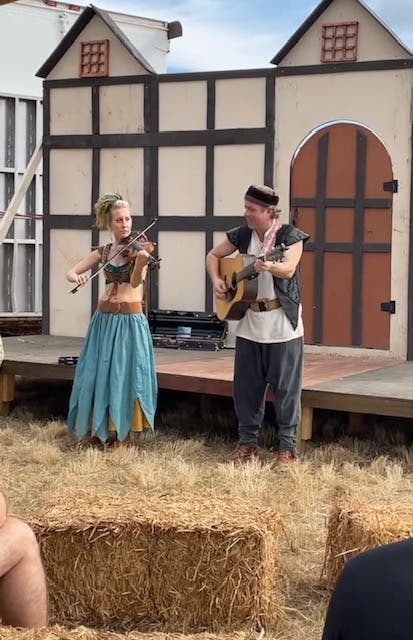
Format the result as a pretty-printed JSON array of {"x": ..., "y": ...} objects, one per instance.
[{"x": 275, "y": 255}]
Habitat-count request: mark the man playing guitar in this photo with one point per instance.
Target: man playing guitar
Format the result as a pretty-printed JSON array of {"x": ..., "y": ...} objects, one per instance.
[{"x": 269, "y": 344}]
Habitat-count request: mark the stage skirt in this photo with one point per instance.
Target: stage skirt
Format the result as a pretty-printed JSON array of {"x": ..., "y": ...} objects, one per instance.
[{"x": 115, "y": 386}]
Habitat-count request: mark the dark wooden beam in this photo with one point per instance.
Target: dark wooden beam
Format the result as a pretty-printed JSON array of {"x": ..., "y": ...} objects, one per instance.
[
  {"x": 159, "y": 139},
  {"x": 277, "y": 72},
  {"x": 321, "y": 188},
  {"x": 164, "y": 223},
  {"x": 46, "y": 215}
]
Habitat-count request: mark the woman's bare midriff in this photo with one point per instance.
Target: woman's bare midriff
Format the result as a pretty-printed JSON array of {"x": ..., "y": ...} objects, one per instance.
[{"x": 125, "y": 293}]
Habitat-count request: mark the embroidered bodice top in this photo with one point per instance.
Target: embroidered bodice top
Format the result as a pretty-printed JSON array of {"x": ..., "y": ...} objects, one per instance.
[
  {"x": 115, "y": 273},
  {"x": 119, "y": 274}
]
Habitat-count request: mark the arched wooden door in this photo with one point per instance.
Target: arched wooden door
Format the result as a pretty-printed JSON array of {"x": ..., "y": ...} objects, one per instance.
[{"x": 342, "y": 195}]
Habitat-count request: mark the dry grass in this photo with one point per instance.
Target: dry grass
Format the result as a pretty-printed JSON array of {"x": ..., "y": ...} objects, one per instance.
[
  {"x": 32, "y": 473},
  {"x": 83, "y": 633}
]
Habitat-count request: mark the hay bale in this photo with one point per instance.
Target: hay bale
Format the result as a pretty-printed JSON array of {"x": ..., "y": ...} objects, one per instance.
[
  {"x": 83, "y": 633},
  {"x": 355, "y": 526},
  {"x": 187, "y": 563}
]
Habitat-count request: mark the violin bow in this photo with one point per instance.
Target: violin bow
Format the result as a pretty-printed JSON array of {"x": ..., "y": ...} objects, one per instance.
[{"x": 135, "y": 236}]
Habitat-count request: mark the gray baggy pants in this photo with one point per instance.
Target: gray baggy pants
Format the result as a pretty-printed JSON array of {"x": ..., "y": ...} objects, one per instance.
[{"x": 258, "y": 365}]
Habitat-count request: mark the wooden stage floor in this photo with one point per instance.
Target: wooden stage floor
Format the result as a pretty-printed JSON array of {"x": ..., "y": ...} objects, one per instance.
[{"x": 346, "y": 383}]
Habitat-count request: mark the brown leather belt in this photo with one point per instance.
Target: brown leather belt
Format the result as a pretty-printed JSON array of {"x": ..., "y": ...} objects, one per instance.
[
  {"x": 107, "y": 306},
  {"x": 265, "y": 305}
]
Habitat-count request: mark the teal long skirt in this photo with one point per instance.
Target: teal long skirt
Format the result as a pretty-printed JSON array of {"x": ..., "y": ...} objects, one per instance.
[{"x": 116, "y": 367}]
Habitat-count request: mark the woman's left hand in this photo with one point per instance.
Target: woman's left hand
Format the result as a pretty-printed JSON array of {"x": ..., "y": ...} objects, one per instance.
[
  {"x": 131, "y": 252},
  {"x": 142, "y": 256}
]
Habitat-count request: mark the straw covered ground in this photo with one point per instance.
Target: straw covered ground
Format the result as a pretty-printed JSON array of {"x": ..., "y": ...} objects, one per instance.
[
  {"x": 84, "y": 633},
  {"x": 38, "y": 463}
]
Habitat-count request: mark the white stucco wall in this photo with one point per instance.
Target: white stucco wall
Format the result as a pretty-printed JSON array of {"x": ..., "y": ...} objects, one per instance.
[
  {"x": 121, "y": 62},
  {"x": 239, "y": 102},
  {"x": 181, "y": 184},
  {"x": 69, "y": 313},
  {"x": 71, "y": 111},
  {"x": 182, "y": 106},
  {"x": 70, "y": 181},
  {"x": 122, "y": 108},
  {"x": 374, "y": 42}
]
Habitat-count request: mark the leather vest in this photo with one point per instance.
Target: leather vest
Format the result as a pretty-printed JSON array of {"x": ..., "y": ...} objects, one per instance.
[{"x": 288, "y": 291}]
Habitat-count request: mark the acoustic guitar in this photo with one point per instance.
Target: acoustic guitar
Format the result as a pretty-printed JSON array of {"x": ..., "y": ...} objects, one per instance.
[{"x": 240, "y": 277}]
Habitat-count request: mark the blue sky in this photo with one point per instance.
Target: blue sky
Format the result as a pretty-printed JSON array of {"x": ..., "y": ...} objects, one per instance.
[{"x": 236, "y": 34}]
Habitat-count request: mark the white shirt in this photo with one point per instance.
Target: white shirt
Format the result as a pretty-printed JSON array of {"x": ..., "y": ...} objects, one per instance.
[{"x": 267, "y": 326}]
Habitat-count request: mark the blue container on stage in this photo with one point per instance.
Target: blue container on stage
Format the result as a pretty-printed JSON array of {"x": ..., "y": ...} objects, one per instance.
[{"x": 183, "y": 332}]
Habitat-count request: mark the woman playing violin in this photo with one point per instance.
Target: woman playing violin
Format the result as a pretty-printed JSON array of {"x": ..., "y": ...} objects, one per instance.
[{"x": 114, "y": 389}]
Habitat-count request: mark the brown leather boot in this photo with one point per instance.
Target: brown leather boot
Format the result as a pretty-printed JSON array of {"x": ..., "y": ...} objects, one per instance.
[
  {"x": 283, "y": 459},
  {"x": 242, "y": 453}
]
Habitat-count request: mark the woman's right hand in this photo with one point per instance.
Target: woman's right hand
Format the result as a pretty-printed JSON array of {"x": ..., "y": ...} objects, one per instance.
[{"x": 78, "y": 278}]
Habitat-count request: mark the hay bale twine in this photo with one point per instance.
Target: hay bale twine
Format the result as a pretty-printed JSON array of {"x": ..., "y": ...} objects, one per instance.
[
  {"x": 185, "y": 563},
  {"x": 83, "y": 633},
  {"x": 355, "y": 526}
]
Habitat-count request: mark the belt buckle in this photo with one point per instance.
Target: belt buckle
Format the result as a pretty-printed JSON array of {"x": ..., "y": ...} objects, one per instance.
[{"x": 262, "y": 305}]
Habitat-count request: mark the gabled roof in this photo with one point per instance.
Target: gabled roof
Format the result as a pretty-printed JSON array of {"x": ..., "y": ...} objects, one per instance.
[
  {"x": 83, "y": 20},
  {"x": 318, "y": 11}
]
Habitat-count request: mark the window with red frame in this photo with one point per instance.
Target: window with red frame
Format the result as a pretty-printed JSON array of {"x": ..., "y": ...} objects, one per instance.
[
  {"x": 94, "y": 59},
  {"x": 339, "y": 42}
]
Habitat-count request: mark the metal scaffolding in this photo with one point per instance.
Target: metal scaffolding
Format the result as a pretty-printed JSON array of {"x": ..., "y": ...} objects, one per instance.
[{"x": 20, "y": 206}]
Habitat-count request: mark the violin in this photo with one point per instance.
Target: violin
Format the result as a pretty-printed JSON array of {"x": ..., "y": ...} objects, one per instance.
[
  {"x": 139, "y": 242},
  {"x": 134, "y": 241}
]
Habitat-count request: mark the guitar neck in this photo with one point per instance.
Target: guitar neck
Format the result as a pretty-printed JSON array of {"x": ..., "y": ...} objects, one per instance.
[
  {"x": 275, "y": 255},
  {"x": 249, "y": 270},
  {"x": 246, "y": 272}
]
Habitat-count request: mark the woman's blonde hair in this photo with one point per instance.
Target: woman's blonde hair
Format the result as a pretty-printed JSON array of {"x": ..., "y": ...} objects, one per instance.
[{"x": 104, "y": 207}]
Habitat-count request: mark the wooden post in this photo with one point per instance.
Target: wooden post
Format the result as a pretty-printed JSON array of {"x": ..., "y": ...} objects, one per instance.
[
  {"x": 305, "y": 429},
  {"x": 205, "y": 404},
  {"x": 6, "y": 393},
  {"x": 356, "y": 424}
]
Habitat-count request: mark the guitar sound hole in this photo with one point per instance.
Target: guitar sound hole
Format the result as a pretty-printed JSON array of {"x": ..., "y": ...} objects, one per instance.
[
  {"x": 230, "y": 294},
  {"x": 232, "y": 288}
]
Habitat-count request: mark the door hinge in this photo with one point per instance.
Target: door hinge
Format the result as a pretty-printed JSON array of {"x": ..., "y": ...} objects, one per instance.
[
  {"x": 388, "y": 307},
  {"x": 392, "y": 186}
]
